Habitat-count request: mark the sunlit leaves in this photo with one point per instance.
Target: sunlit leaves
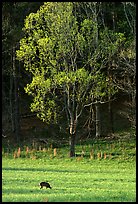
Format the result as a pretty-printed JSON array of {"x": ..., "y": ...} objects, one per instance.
[
  {"x": 110, "y": 42},
  {"x": 51, "y": 49}
]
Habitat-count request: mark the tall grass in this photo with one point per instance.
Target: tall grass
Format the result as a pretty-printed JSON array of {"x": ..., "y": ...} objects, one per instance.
[{"x": 99, "y": 149}]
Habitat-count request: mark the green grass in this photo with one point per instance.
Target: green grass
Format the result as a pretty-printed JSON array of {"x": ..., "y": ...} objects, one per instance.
[
  {"x": 82, "y": 178},
  {"x": 72, "y": 180},
  {"x": 115, "y": 149}
]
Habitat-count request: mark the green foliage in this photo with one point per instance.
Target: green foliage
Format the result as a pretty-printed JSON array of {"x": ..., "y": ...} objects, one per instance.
[
  {"x": 51, "y": 49},
  {"x": 110, "y": 42}
]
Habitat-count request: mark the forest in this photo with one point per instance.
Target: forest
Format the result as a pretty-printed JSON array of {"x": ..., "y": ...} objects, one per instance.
[
  {"x": 68, "y": 102},
  {"x": 68, "y": 70}
]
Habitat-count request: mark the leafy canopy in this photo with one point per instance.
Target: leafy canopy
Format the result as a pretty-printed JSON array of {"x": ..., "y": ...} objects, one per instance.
[{"x": 63, "y": 57}]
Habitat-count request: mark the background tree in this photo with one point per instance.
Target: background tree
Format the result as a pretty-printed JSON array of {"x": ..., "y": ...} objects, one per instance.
[
  {"x": 65, "y": 61},
  {"x": 126, "y": 61},
  {"x": 13, "y": 14},
  {"x": 122, "y": 67}
]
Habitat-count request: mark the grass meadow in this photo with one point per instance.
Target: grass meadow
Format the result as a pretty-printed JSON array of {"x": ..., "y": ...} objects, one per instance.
[{"x": 103, "y": 173}]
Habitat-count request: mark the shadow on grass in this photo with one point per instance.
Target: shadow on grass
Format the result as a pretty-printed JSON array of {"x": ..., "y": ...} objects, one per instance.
[
  {"x": 36, "y": 169},
  {"x": 23, "y": 191},
  {"x": 32, "y": 191},
  {"x": 56, "y": 170},
  {"x": 68, "y": 195}
]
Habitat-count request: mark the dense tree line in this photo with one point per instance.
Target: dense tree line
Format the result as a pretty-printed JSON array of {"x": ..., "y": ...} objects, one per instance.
[
  {"x": 76, "y": 56},
  {"x": 13, "y": 15}
]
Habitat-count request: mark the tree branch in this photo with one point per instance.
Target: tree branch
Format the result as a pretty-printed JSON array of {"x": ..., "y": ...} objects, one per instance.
[{"x": 101, "y": 102}]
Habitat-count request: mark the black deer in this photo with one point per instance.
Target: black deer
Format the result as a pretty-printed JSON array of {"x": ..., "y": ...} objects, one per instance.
[{"x": 46, "y": 184}]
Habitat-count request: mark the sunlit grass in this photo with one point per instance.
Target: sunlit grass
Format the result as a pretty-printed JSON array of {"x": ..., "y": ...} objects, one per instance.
[
  {"x": 89, "y": 177},
  {"x": 71, "y": 180}
]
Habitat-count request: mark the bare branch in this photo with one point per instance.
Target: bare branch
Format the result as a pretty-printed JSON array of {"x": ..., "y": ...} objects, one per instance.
[{"x": 99, "y": 102}]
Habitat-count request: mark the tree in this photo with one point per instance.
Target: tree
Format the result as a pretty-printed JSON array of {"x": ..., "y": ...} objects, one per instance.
[
  {"x": 122, "y": 67},
  {"x": 13, "y": 14},
  {"x": 9, "y": 70},
  {"x": 65, "y": 61},
  {"x": 126, "y": 63}
]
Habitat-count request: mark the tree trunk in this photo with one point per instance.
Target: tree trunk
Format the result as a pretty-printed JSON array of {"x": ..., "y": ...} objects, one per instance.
[
  {"x": 72, "y": 137},
  {"x": 11, "y": 106},
  {"x": 72, "y": 145},
  {"x": 16, "y": 101},
  {"x": 98, "y": 120},
  {"x": 111, "y": 126}
]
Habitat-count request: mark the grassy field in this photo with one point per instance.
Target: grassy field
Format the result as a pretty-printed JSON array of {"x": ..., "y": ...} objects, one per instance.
[
  {"x": 102, "y": 171},
  {"x": 71, "y": 180}
]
